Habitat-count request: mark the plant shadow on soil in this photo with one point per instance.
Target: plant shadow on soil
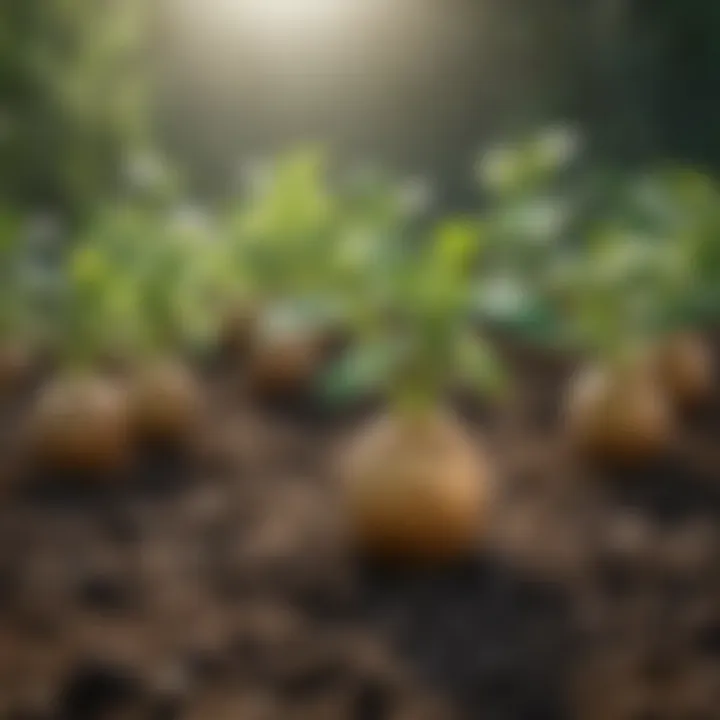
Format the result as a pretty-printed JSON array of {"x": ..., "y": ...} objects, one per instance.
[{"x": 496, "y": 642}]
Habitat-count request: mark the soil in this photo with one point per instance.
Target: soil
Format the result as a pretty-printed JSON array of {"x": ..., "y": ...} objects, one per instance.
[{"x": 220, "y": 584}]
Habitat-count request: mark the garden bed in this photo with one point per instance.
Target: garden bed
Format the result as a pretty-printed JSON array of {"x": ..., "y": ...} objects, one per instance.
[{"x": 222, "y": 585}]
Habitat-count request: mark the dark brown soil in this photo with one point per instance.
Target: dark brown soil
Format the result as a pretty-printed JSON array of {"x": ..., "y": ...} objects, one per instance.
[{"x": 220, "y": 584}]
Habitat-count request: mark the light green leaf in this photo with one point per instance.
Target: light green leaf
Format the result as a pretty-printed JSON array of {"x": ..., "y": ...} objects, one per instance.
[
  {"x": 478, "y": 367},
  {"x": 364, "y": 369},
  {"x": 456, "y": 243}
]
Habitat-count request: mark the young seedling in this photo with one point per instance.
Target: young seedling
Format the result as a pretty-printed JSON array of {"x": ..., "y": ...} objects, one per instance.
[
  {"x": 172, "y": 280},
  {"x": 379, "y": 216},
  {"x": 417, "y": 485},
  {"x": 681, "y": 206},
  {"x": 616, "y": 408},
  {"x": 79, "y": 422},
  {"x": 280, "y": 245}
]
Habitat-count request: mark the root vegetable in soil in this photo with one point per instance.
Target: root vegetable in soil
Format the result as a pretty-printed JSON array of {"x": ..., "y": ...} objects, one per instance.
[{"x": 235, "y": 593}]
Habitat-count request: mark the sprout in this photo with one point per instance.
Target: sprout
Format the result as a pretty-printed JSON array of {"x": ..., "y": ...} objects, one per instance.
[
  {"x": 278, "y": 239},
  {"x": 98, "y": 310},
  {"x": 413, "y": 322},
  {"x": 417, "y": 487},
  {"x": 136, "y": 281},
  {"x": 297, "y": 249},
  {"x": 647, "y": 268}
]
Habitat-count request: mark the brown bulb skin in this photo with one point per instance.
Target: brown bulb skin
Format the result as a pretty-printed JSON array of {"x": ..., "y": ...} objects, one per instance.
[
  {"x": 684, "y": 366},
  {"x": 284, "y": 367},
  {"x": 619, "y": 416},
  {"x": 79, "y": 424},
  {"x": 417, "y": 489},
  {"x": 165, "y": 403}
]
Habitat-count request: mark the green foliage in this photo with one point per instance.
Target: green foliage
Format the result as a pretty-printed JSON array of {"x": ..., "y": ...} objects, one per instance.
[
  {"x": 683, "y": 207},
  {"x": 642, "y": 266},
  {"x": 149, "y": 273},
  {"x": 528, "y": 219},
  {"x": 308, "y": 240},
  {"x": 279, "y": 233},
  {"x": 97, "y": 312},
  {"x": 73, "y": 99},
  {"x": 138, "y": 280},
  {"x": 512, "y": 170},
  {"x": 604, "y": 269},
  {"x": 417, "y": 341}
]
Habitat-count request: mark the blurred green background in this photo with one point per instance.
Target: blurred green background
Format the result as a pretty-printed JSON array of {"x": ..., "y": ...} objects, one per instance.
[{"x": 416, "y": 85}]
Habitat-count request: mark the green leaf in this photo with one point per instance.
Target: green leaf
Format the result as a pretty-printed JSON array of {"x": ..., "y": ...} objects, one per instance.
[
  {"x": 456, "y": 243},
  {"x": 88, "y": 268},
  {"x": 478, "y": 367},
  {"x": 361, "y": 371}
]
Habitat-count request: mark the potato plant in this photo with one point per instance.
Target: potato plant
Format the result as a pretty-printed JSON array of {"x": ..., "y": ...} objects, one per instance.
[
  {"x": 648, "y": 279},
  {"x": 417, "y": 485},
  {"x": 372, "y": 245},
  {"x": 622, "y": 273},
  {"x": 275, "y": 266},
  {"x": 618, "y": 409},
  {"x": 299, "y": 250},
  {"x": 134, "y": 298},
  {"x": 80, "y": 420},
  {"x": 682, "y": 206},
  {"x": 160, "y": 255}
]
